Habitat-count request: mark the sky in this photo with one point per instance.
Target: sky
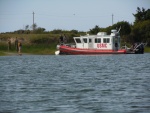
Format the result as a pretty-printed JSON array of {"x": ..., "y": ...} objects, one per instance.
[{"x": 81, "y": 15}]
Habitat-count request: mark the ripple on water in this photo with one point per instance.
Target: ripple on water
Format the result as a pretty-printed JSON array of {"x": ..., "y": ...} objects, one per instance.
[{"x": 75, "y": 84}]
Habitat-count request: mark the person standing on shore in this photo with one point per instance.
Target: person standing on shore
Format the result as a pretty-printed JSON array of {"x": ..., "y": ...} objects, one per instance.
[
  {"x": 19, "y": 47},
  {"x": 16, "y": 44},
  {"x": 61, "y": 41},
  {"x": 65, "y": 38},
  {"x": 9, "y": 44}
]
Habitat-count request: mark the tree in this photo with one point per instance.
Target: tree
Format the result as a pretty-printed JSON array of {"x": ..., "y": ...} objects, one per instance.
[
  {"x": 148, "y": 14},
  {"x": 56, "y": 31},
  {"x": 34, "y": 26},
  {"x": 141, "y": 31},
  {"x": 95, "y": 30},
  {"x": 125, "y": 27},
  {"x": 141, "y": 15},
  {"x": 141, "y": 27},
  {"x": 26, "y": 27},
  {"x": 74, "y": 31},
  {"x": 39, "y": 30}
]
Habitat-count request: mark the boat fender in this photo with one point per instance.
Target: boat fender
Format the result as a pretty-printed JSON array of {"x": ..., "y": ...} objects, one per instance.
[{"x": 57, "y": 52}]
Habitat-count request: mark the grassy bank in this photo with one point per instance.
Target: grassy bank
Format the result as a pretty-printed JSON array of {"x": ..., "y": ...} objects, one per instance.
[
  {"x": 31, "y": 49},
  {"x": 31, "y": 43},
  {"x": 2, "y": 53},
  {"x": 43, "y": 49},
  {"x": 44, "y": 44},
  {"x": 147, "y": 49}
]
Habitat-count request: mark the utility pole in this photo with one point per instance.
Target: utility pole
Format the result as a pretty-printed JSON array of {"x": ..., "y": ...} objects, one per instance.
[
  {"x": 112, "y": 19},
  {"x": 33, "y": 20}
]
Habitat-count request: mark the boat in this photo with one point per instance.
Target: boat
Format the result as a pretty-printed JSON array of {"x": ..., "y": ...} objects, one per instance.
[{"x": 98, "y": 44}]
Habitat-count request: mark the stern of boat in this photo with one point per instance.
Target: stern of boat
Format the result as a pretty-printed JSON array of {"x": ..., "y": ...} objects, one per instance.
[{"x": 136, "y": 49}]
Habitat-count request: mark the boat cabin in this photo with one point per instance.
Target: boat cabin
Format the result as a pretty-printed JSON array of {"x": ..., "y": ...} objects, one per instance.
[{"x": 100, "y": 41}]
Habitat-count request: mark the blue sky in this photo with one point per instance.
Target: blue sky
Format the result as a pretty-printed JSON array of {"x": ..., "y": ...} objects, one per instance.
[{"x": 80, "y": 15}]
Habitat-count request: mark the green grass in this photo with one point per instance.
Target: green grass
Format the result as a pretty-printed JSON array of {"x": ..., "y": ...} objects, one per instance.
[
  {"x": 44, "y": 44},
  {"x": 43, "y": 49},
  {"x": 2, "y": 53},
  {"x": 147, "y": 49}
]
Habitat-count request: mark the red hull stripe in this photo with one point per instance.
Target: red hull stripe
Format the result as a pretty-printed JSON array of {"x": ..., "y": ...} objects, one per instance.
[{"x": 73, "y": 51}]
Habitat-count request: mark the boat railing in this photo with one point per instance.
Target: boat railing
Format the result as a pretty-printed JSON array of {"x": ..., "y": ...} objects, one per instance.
[
  {"x": 125, "y": 47},
  {"x": 136, "y": 48},
  {"x": 70, "y": 45}
]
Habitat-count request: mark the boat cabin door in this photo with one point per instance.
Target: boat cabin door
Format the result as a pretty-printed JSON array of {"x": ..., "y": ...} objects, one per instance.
[
  {"x": 85, "y": 43},
  {"x": 90, "y": 43},
  {"x": 116, "y": 43}
]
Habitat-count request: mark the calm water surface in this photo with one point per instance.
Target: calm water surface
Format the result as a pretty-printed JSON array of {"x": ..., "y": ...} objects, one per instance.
[{"x": 75, "y": 84}]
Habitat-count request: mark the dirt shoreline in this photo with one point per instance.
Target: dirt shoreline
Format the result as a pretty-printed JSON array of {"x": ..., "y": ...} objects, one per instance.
[
  {"x": 13, "y": 54},
  {"x": 16, "y": 54}
]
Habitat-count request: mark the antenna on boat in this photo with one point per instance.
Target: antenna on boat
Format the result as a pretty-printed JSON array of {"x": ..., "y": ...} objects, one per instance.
[{"x": 119, "y": 29}]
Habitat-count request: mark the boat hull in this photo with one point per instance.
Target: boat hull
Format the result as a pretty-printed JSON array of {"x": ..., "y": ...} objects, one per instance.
[{"x": 77, "y": 51}]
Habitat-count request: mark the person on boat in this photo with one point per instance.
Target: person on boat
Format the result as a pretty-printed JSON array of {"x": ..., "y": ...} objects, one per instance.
[
  {"x": 133, "y": 46},
  {"x": 116, "y": 46},
  {"x": 141, "y": 48},
  {"x": 64, "y": 39},
  {"x": 125, "y": 45},
  {"x": 61, "y": 40}
]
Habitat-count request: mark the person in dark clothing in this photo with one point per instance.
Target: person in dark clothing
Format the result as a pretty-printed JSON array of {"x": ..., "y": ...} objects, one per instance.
[
  {"x": 64, "y": 39},
  {"x": 61, "y": 40},
  {"x": 116, "y": 46}
]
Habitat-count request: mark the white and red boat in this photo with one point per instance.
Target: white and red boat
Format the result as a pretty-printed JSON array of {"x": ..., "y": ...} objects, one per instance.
[{"x": 98, "y": 44}]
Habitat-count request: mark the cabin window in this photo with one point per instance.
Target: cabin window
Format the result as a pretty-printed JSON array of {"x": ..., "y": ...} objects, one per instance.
[
  {"x": 97, "y": 40},
  {"x": 85, "y": 40},
  {"x": 90, "y": 40},
  {"x": 78, "y": 40},
  {"x": 106, "y": 40}
]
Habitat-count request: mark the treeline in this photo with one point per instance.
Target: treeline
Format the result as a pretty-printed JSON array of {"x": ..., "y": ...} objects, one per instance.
[
  {"x": 139, "y": 31},
  {"x": 40, "y": 30}
]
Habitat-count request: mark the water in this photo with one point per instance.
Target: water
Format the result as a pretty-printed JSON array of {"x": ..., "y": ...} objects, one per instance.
[{"x": 75, "y": 84}]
